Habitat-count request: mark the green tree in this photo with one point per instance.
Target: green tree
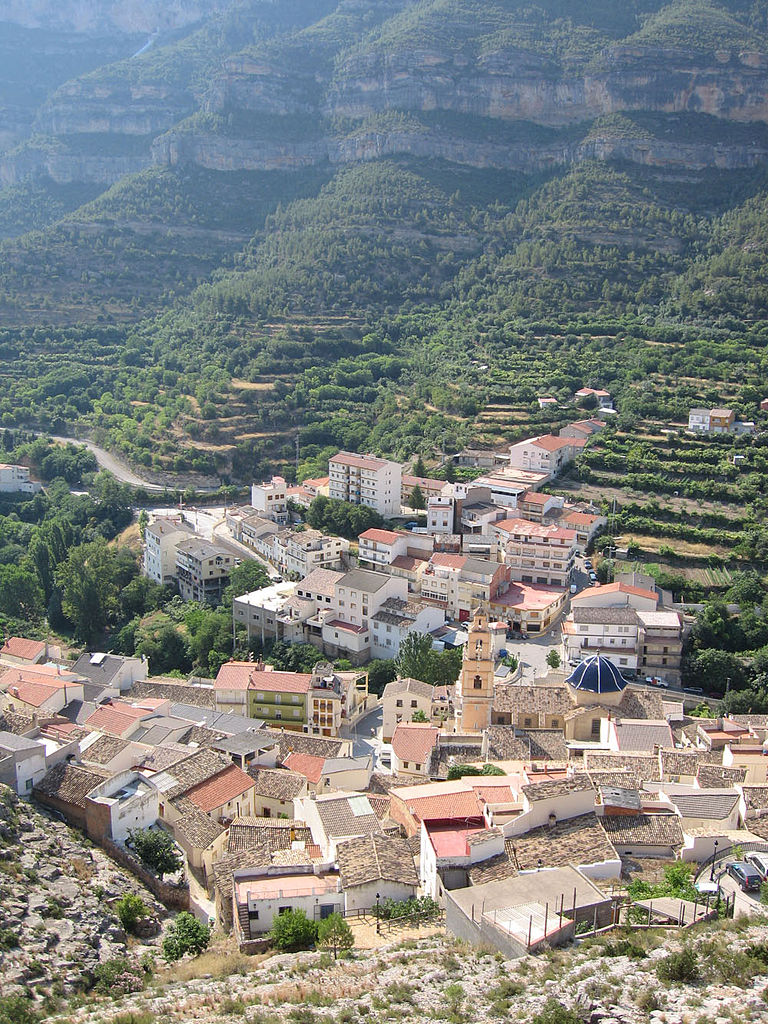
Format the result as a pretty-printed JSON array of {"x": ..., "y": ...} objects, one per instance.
[
  {"x": 335, "y": 934},
  {"x": 17, "y": 1010},
  {"x": 419, "y": 469},
  {"x": 185, "y": 935},
  {"x": 380, "y": 672},
  {"x": 130, "y": 909},
  {"x": 553, "y": 659},
  {"x": 419, "y": 716},
  {"x": 21, "y": 595},
  {"x": 555, "y": 1013},
  {"x": 413, "y": 659},
  {"x": 156, "y": 849},
  {"x": 417, "y": 498},
  {"x": 91, "y": 579},
  {"x": 292, "y": 931},
  {"x": 244, "y": 579},
  {"x": 711, "y": 669}
]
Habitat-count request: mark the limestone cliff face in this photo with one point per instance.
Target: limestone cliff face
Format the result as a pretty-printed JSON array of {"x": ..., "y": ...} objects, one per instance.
[
  {"x": 513, "y": 85},
  {"x": 226, "y": 154},
  {"x": 67, "y": 168},
  {"x": 91, "y": 16},
  {"x": 112, "y": 106}
]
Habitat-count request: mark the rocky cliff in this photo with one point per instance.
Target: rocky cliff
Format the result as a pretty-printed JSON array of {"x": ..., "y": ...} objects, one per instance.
[{"x": 57, "y": 898}]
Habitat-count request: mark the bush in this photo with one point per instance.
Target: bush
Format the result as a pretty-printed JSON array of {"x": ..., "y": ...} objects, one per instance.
[
  {"x": 156, "y": 849},
  {"x": 555, "y": 1013},
  {"x": 682, "y": 966},
  {"x": 130, "y": 909},
  {"x": 185, "y": 935},
  {"x": 624, "y": 947},
  {"x": 118, "y": 977},
  {"x": 17, "y": 1010},
  {"x": 292, "y": 931}
]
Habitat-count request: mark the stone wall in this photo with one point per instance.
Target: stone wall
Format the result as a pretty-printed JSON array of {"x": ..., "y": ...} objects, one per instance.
[{"x": 175, "y": 897}]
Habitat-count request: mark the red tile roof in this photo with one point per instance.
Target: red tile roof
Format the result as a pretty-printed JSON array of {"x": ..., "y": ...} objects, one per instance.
[
  {"x": 525, "y": 528},
  {"x": 381, "y": 536},
  {"x": 616, "y": 588},
  {"x": 414, "y": 741},
  {"x": 579, "y": 518},
  {"x": 116, "y": 719},
  {"x": 20, "y": 647},
  {"x": 220, "y": 789},
  {"x": 308, "y": 765},
  {"x": 536, "y": 498},
  {"x": 340, "y": 624},
  {"x": 422, "y": 482},
  {"x": 50, "y": 675},
  {"x": 406, "y": 562},
  {"x": 550, "y": 443},
  {"x": 34, "y": 694},
  {"x": 243, "y": 675},
  {"x": 447, "y": 561},
  {"x": 463, "y": 804}
]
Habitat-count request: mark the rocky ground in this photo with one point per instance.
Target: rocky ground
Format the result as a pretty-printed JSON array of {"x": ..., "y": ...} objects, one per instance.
[
  {"x": 57, "y": 899},
  {"x": 435, "y": 978}
]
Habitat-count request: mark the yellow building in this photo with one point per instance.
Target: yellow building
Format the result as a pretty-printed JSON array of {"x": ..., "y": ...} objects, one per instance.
[{"x": 475, "y": 685}]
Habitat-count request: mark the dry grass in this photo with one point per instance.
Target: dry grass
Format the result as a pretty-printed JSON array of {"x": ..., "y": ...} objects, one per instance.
[
  {"x": 247, "y": 385},
  {"x": 82, "y": 869},
  {"x": 219, "y": 962}
]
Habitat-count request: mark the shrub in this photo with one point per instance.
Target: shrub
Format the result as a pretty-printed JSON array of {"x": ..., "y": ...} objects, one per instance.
[
  {"x": 118, "y": 977},
  {"x": 17, "y": 1010},
  {"x": 624, "y": 947},
  {"x": 185, "y": 935},
  {"x": 682, "y": 966},
  {"x": 130, "y": 909},
  {"x": 292, "y": 931},
  {"x": 555, "y": 1013}
]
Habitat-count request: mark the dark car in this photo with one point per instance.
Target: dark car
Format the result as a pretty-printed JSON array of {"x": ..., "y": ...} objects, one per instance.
[{"x": 744, "y": 875}]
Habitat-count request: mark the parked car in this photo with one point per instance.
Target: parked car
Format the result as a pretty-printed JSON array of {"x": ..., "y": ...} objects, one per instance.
[
  {"x": 574, "y": 588},
  {"x": 655, "y": 681},
  {"x": 744, "y": 875},
  {"x": 695, "y": 690},
  {"x": 593, "y": 576},
  {"x": 759, "y": 861},
  {"x": 707, "y": 887},
  {"x": 587, "y": 564}
]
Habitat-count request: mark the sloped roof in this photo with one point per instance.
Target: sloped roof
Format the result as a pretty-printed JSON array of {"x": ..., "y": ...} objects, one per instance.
[
  {"x": 712, "y": 776},
  {"x": 320, "y": 746},
  {"x": 198, "y": 830},
  {"x": 347, "y": 816},
  {"x": 374, "y": 858},
  {"x": 21, "y": 647},
  {"x": 243, "y": 675},
  {"x": 273, "y": 834},
  {"x": 643, "y": 829},
  {"x": 414, "y": 741},
  {"x": 645, "y": 765},
  {"x": 102, "y": 750},
  {"x": 714, "y": 804},
  {"x": 408, "y": 685},
  {"x": 306, "y": 764},
  {"x": 70, "y": 783},
  {"x": 277, "y": 783},
  {"x": 536, "y": 791},
  {"x": 220, "y": 789},
  {"x": 643, "y": 735},
  {"x": 508, "y": 743},
  {"x": 179, "y": 693}
]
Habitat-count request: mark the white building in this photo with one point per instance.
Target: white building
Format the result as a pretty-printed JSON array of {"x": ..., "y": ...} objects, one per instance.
[
  {"x": 126, "y": 801},
  {"x": 270, "y": 500},
  {"x": 15, "y": 480},
  {"x": 22, "y": 762},
  {"x": 262, "y": 894},
  {"x": 259, "y": 610},
  {"x": 366, "y": 480},
  {"x": 536, "y": 553},
  {"x": 546, "y": 454},
  {"x": 160, "y": 539},
  {"x": 302, "y": 551}
]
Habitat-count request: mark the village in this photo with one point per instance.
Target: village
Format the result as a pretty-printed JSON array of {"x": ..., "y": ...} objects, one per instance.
[{"x": 513, "y": 802}]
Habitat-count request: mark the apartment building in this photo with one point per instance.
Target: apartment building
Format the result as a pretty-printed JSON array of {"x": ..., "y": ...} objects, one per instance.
[
  {"x": 202, "y": 570},
  {"x": 15, "y": 480},
  {"x": 366, "y": 480},
  {"x": 300, "y": 552},
  {"x": 161, "y": 538},
  {"x": 346, "y": 625},
  {"x": 263, "y": 612},
  {"x": 396, "y": 618},
  {"x": 270, "y": 500},
  {"x": 613, "y": 633},
  {"x": 536, "y": 553},
  {"x": 459, "y": 583}
]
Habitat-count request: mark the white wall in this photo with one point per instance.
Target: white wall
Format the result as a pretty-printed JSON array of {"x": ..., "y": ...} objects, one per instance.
[
  {"x": 269, "y": 909},
  {"x": 569, "y": 805},
  {"x": 363, "y": 897}
]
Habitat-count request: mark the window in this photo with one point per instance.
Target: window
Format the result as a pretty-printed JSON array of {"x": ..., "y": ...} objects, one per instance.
[
  {"x": 398, "y": 704},
  {"x": 283, "y": 910},
  {"x": 406, "y": 764},
  {"x": 527, "y": 723},
  {"x": 555, "y": 723},
  {"x": 596, "y": 726},
  {"x": 253, "y": 915},
  {"x": 414, "y": 704},
  {"x": 418, "y": 767}
]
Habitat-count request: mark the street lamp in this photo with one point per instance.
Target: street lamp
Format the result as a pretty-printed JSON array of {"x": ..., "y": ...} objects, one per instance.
[
  {"x": 714, "y": 858},
  {"x": 378, "y": 919}
]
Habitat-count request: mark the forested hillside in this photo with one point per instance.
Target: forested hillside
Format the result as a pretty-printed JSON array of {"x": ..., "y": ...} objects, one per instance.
[{"x": 388, "y": 224}]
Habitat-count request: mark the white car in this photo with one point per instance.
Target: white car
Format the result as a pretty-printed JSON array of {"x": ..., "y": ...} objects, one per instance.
[{"x": 759, "y": 861}]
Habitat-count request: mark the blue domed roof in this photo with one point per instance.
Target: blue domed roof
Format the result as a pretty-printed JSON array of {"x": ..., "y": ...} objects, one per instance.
[{"x": 598, "y": 675}]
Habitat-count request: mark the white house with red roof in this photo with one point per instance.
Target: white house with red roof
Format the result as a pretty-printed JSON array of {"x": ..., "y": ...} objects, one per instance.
[
  {"x": 603, "y": 397},
  {"x": 412, "y": 746},
  {"x": 380, "y": 548},
  {"x": 546, "y": 454},
  {"x": 366, "y": 480},
  {"x": 39, "y": 689},
  {"x": 17, "y": 650}
]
